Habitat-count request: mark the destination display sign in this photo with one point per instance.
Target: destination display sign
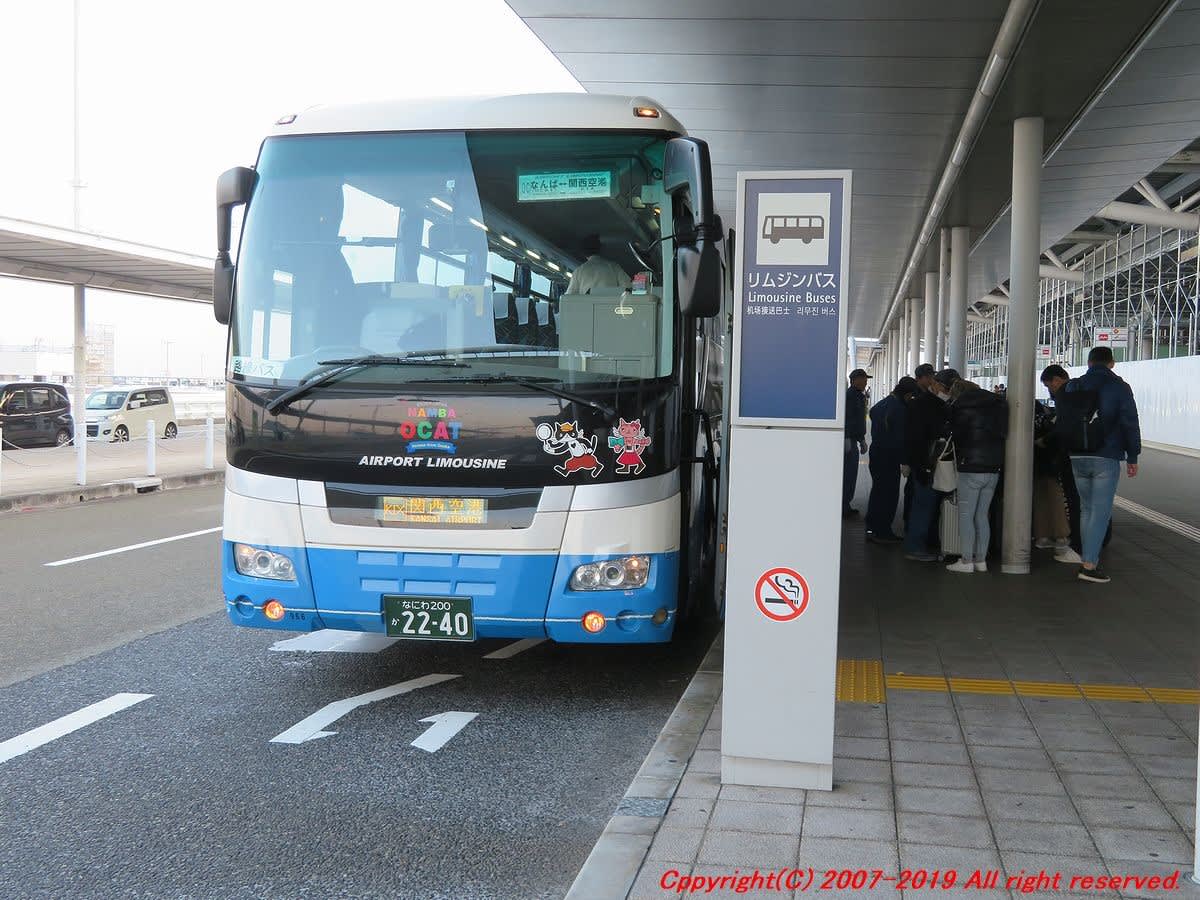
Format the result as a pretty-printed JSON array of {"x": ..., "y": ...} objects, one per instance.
[
  {"x": 433, "y": 510},
  {"x": 564, "y": 185}
]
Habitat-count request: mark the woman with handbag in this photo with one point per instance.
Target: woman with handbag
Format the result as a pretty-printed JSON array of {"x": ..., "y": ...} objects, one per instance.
[{"x": 978, "y": 428}]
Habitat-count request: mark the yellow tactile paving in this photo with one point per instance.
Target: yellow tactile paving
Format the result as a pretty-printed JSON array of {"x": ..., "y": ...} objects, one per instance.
[
  {"x": 903, "y": 682},
  {"x": 1046, "y": 689},
  {"x": 863, "y": 681},
  {"x": 860, "y": 680}
]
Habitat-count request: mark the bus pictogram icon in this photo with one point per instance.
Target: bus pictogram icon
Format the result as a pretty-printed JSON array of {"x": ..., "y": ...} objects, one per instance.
[{"x": 781, "y": 594}]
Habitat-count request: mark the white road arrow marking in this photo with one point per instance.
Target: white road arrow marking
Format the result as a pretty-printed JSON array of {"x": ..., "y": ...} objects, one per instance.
[
  {"x": 445, "y": 726},
  {"x": 311, "y": 728},
  {"x": 514, "y": 648},
  {"x": 81, "y": 718},
  {"x": 332, "y": 640}
]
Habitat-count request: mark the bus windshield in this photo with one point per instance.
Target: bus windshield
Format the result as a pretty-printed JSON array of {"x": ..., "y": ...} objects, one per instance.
[{"x": 523, "y": 253}]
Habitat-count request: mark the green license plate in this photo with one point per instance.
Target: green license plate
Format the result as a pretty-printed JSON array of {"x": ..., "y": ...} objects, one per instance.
[{"x": 429, "y": 618}]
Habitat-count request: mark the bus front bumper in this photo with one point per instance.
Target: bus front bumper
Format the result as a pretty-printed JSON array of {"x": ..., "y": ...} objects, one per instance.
[{"x": 513, "y": 595}]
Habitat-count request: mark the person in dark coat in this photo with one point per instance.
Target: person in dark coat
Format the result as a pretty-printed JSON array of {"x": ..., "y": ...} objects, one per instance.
[
  {"x": 978, "y": 427},
  {"x": 889, "y": 418},
  {"x": 855, "y": 437},
  {"x": 927, "y": 421},
  {"x": 1098, "y": 471},
  {"x": 1055, "y": 378}
]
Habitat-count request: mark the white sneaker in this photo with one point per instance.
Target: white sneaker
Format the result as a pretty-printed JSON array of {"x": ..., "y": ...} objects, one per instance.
[
  {"x": 963, "y": 565},
  {"x": 1044, "y": 543},
  {"x": 1067, "y": 555},
  {"x": 981, "y": 566}
]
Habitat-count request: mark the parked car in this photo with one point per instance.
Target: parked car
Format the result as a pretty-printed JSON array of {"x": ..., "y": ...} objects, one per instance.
[
  {"x": 35, "y": 413},
  {"x": 119, "y": 413}
]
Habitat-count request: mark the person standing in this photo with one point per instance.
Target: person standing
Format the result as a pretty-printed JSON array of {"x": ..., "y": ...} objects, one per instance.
[
  {"x": 927, "y": 421},
  {"x": 889, "y": 418},
  {"x": 1112, "y": 434},
  {"x": 1055, "y": 377},
  {"x": 978, "y": 427},
  {"x": 855, "y": 437}
]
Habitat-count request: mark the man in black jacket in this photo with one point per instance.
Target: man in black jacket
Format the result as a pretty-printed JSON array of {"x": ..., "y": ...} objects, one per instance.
[
  {"x": 855, "y": 437},
  {"x": 889, "y": 418},
  {"x": 928, "y": 420}
]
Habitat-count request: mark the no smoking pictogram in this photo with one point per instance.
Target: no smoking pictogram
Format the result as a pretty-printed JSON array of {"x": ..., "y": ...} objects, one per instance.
[{"x": 781, "y": 594}]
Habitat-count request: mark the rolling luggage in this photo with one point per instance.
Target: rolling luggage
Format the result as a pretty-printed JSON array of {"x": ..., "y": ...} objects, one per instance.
[{"x": 948, "y": 526}]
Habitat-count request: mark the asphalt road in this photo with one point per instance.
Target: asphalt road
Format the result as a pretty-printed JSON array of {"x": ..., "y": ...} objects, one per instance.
[
  {"x": 184, "y": 795},
  {"x": 1168, "y": 483}
]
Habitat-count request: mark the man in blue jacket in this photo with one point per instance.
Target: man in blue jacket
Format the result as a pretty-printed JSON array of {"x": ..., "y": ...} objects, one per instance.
[
  {"x": 855, "y": 437},
  {"x": 888, "y": 420},
  {"x": 1098, "y": 470}
]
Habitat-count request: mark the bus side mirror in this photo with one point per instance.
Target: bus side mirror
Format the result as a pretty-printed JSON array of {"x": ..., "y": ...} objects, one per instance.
[
  {"x": 233, "y": 189},
  {"x": 687, "y": 179}
]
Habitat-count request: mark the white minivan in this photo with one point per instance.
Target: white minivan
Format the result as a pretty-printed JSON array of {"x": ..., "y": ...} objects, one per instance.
[{"x": 121, "y": 413}]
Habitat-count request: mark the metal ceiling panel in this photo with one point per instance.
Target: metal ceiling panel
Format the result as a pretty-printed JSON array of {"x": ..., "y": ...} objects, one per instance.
[
  {"x": 878, "y": 86},
  {"x": 1099, "y": 160}
]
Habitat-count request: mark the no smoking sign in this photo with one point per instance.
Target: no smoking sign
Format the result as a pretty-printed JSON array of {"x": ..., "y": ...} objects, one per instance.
[{"x": 781, "y": 594}]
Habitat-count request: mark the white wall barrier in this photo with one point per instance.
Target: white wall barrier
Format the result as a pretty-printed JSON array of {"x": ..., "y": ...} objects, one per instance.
[{"x": 1167, "y": 392}]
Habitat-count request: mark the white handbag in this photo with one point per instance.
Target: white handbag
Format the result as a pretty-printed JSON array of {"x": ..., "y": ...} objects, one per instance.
[{"x": 945, "y": 470}]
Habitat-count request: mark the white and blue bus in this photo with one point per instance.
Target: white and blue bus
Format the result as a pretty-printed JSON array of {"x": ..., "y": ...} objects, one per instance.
[{"x": 473, "y": 371}]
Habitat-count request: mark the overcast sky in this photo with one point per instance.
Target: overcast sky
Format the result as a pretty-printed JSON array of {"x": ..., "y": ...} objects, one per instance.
[{"x": 173, "y": 93}]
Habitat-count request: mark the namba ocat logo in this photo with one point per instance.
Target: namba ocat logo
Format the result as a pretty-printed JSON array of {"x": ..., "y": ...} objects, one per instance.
[{"x": 433, "y": 428}]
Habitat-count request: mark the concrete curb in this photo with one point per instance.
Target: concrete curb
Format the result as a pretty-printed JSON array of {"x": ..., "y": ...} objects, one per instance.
[
  {"x": 612, "y": 867},
  {"x": 127, "y": 487}
]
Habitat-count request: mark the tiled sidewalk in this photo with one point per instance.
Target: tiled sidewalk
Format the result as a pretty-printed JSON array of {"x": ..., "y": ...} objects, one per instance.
[
  {"x": 962, "y": 782},
  {"x": 965, "y": 781}
]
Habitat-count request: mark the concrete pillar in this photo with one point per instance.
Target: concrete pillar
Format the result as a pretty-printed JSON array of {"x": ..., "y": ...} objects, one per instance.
[
  {"x": 956, "y": 317},
  {"x": 931, "y": 309},
  {"x": 943, "y": 296},
  {"x": 1025, "y": 252},
  {"x": 915, "y": 323},
  {"x": 78, "y": 388}
]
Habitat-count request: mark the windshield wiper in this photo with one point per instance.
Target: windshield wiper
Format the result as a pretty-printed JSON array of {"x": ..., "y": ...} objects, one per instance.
[
  {"x": 317, "y": 377},
  {"x": 545, "y": 385}
]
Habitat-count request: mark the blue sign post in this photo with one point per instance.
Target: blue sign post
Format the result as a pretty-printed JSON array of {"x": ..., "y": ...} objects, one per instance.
[
  {"x": 786, "y": 458},
  {"x": 789, "y": 298}
]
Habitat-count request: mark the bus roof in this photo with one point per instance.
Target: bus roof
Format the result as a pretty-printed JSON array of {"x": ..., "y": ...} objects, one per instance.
[{"x": 514, "y": 112}]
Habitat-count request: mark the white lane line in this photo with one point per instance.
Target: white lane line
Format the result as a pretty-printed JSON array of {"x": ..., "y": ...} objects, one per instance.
[
  {"x": 81, "y": 718},
  {"x": 514, "y": 648},
  {"x": 334, "y": 640},
  {"x": 166, "y": 540},
  {"x": 312, "y": 727},
  {"x": 445, "y": 726},
  {"x": 1150, "y": 515}
]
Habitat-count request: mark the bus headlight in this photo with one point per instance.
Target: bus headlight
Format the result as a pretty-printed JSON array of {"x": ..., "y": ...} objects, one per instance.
[
  {"x": 621, "y": 574},
  {"x": 259, "y": 563}
]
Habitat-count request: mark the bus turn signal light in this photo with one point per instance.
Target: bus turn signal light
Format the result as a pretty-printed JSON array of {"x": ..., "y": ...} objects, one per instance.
[
  {"x": 593, "y": 622},
  {"x": 645, "y": 112},
  {"x": 273, "y": 610}
]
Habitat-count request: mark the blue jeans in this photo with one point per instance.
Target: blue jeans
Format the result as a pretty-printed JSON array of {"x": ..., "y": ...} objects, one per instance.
[
  {"x": 975, "y": 491},
  {"x": 1096, "y": 480},
  {"x": 920, "y": 517}
]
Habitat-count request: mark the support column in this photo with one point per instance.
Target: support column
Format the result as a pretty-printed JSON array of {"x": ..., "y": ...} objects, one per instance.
[
  {"x": 902, "y": 344},
  {"x": 956, "y": 337},
  {"x": 1025, "y": 253},
  {"x": 931, "y": 308},
  {"x": 943, "y": 296},
  {"x": 914, "y": 333},
  {"x": 78, "y": 388}
]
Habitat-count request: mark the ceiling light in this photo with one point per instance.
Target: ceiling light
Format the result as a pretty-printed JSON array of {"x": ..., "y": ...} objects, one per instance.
[
  {"x": 442, "y": 203},
  {"x": 508, "y": 240},
  {"x": 477, "y": 223},
  {"x": 532, "y": 255},
  {"x": 554, "y": 266}
]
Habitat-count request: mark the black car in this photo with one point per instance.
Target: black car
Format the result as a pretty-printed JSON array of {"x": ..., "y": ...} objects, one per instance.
[{"x": 35, "y": 414}]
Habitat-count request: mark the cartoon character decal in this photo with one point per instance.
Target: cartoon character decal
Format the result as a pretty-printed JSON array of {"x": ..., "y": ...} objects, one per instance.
[
  {"x": 629, "y": 441},
  {"x": 566, "y": 439}
]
